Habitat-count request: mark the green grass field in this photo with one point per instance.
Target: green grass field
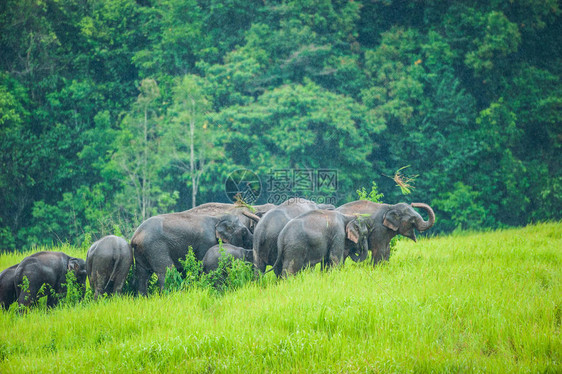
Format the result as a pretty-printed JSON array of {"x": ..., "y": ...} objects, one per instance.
[{"x": 482, "y": 302}]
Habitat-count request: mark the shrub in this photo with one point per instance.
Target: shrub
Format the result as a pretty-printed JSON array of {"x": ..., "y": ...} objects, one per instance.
[
  {"x": 74, "y": 290},
  {"x": 130, "y": 286},
  {"x": 192, "y": 269},
  {"x": 231, "y": 274},
  {"x": 373, "y": 195}
]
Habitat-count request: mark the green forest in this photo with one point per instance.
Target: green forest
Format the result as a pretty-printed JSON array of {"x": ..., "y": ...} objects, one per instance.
[{"x": 112, "y": 111}]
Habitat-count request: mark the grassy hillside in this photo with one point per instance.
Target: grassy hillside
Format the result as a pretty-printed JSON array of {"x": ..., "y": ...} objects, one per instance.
[{"x": 487, "y": 302}]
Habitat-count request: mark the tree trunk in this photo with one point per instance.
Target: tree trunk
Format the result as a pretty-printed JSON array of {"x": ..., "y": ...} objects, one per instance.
[{"x": 192, "y": 156}]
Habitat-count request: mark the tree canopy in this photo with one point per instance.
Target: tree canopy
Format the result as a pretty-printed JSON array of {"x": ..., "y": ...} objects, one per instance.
[{"x": 115, "y": 110}]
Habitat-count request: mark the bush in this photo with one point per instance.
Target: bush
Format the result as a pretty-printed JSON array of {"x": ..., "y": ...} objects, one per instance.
[
  {"x": 373, "y": 195},
  {"x": 74, "y": 291},
  {"x": 192, "y": 269},
  {"x": 130, "y": 286},
  {"x": 231, "y": 274}
]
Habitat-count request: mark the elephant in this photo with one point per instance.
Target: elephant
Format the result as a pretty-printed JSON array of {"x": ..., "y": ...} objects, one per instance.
[
  {"x": 47, "y": 268},
  {"x": 107, "y": 263},
  {"x": 211, "y": 259},
  {"x": 270, "y": 225},
  {"x": 389, "y": 221},
  {"x": 7, "y": 287},
  {"x": 248, "y": 216},
  {"x": 320, "y": 236},
  {"x": 161, "y": 241}
]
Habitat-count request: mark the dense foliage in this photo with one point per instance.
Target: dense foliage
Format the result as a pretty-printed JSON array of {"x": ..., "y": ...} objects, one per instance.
[{"x": 115, "y": 110}]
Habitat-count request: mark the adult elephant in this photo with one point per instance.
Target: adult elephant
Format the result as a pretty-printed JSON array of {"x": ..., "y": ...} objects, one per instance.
[
  {"x": 48, "y": 268},
  {"x": 321, "y": 236},
  {"x": 7, "y": 287},
  {"x": 389, "y": 221},
  {"x": 161, "y": 241},
  {"x": 248, "y": 215},
  {"x": 270, "y": 225},
  {"x": 213, "y": 255},
  {"x": 107, "y": 263}
]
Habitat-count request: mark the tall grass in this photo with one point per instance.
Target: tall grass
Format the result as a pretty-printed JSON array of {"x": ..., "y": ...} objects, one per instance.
[
  {"x": 487, "y": 302},
  {"x": 11, "y": 258}
]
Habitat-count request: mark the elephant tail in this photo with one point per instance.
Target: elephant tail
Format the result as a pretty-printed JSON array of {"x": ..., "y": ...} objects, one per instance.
[
  {"x": 278, "y": 263},
  {"x": 117, "y": 260}
]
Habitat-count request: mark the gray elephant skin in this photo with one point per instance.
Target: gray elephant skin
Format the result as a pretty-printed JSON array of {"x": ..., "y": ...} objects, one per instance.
[
  {"x": 161, "y": 241},
  {"x": 212, "y": 257},
  {"x": 7, "y": 286},
  {"x": 389, "y": 221},
  {"x": 270, "y": 225},
  {"x": 248, "y": 216},
  {"x": 47, "y": 268},
  {"x": 107, "y": 263},
  {"x": 320, "y": 236}
]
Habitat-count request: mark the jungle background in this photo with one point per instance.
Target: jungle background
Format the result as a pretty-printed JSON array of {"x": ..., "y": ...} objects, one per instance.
[{"x": 115, "y": 110}]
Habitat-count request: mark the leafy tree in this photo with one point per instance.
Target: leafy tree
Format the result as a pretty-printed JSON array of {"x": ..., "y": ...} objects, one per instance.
[
  {"x": 300, "y": 127},
  {"x": 187, "y": 137},
  {"x": 423, "y": 109},
  {"x": 137, "y": 156},
  {"x": 176, "y": 39},
  {"x": 461, "y": 208},
  {"x": 78, "y": 215},
  {"x": 234, "y": 81},
  {"x": 466, "y": 93}
]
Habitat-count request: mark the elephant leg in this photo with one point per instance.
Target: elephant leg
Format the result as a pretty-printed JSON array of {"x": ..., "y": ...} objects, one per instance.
[
  {"x": 25, "y": 298},
  {"x": 386, "y": 253},
  {"x": 99, "y": 285},
  {"x": 380, "y": 253},
  {"x": 259, "y": 265},
  {"x": 160, "y": 267},
  {"x": 334, "y": 261},
  {"x": 335, "y": 254},
  {"x": 120, "y": 283},
  {"x": 278, "y": 270},
  {"x": 162, "y": 277},
  {"x": 142, "y": 274},
  {"x": 374, "y": 256},
  {"x": 292, "y": 266},
  {"x": 52, "y": 301}
]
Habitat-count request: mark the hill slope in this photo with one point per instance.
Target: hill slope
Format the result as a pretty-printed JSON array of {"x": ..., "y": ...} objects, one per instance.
[{"x": 476, "y": 302}]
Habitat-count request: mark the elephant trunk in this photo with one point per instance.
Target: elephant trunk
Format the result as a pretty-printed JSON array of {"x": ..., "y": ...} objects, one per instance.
[
  {"x": 422, "y": 225},
  {"x": 359, "y": 253}
]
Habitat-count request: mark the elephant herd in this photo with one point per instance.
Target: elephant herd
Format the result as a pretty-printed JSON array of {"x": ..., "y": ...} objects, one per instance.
[{"x": 288, "y": 237}]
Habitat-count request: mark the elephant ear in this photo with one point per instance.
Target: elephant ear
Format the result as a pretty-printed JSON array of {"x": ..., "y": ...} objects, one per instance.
[
  {"x": 352, "y": 231},
  {"x": 221, "y": 235},
  {"x": 391, "y": 220},
  {"x": 77, "y": 266},
  {"x": 73, "y": 265},
  {"x": 223, "y": 231}
]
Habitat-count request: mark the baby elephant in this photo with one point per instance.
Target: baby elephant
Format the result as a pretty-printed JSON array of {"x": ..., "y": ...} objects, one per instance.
[
  {"x": 108, "y": 262},
  {"x": 46, "y": 268},
  {"x": 321, "y": 236},
  {"x": 7, "y": 287},
  {"x": 211, "y": 259}
]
